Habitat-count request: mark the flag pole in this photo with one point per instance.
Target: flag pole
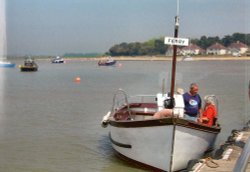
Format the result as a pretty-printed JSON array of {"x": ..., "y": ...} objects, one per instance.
[{"x": 176, "y": 30}]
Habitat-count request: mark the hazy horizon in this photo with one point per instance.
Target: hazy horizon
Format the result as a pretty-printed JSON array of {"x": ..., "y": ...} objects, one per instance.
[{"x": 45, "y": 27}]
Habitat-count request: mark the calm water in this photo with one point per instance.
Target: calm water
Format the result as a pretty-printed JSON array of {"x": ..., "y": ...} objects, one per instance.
[{"x": 49, "y": 123}]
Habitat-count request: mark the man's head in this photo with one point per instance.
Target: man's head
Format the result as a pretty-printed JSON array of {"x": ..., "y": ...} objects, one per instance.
[{"x": 193, "y": 89}]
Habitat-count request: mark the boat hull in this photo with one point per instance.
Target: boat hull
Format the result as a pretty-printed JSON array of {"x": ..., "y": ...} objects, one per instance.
[
  {"x": 57, "y": 61},
  {"x": 165, "y": 144},
  {"x": 28, "y": 69},
  {"x": 7, "y": 65},
  {"x": 106, "y": 63}
]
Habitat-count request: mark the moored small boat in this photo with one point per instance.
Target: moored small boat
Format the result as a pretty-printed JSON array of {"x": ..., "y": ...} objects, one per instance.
[
  {"x": 29, "y": 66},
  {"x": 165, "y": 144},
  {"x": 58, "y": 59},
  {"x": 107, "y": 62},
  {"x": 7, "y": 64}
]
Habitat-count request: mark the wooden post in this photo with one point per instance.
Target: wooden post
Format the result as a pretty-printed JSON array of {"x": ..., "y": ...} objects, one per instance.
[{"x": 174, "y": 58}]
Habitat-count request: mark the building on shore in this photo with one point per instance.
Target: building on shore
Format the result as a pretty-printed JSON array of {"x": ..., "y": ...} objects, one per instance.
[
  {"x": 192, "y": 49},
  {"x": 237, "y": 48},
  {"x": 217, "y": 49}
]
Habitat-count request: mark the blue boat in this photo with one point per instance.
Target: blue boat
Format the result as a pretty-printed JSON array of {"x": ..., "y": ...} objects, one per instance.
[{"x": 7, "y": 64}]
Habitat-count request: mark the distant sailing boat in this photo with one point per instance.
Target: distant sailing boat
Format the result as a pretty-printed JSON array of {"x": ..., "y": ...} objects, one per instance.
[
  {"x": 162, "y": 144},
  {"x": 3, "y": 40}
]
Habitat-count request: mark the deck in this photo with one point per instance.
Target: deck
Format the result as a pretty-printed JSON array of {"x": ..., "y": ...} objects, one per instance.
[{"x": 229, "y": 156}]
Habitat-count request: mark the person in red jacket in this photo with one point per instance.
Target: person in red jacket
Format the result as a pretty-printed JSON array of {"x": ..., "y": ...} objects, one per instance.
[{"x": 209, "y": 113}]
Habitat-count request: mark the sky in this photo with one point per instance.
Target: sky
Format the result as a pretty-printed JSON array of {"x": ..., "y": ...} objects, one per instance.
[{"x": 55, "y": 27}]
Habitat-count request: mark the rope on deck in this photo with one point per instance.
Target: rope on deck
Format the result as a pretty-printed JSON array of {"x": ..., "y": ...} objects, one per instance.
[{"x": 211, "y": 163}]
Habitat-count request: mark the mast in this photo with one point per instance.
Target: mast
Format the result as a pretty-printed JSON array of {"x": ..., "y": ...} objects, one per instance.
[
  {"x": 176, "y": 30},
  {"x": 172, "y": 102}
]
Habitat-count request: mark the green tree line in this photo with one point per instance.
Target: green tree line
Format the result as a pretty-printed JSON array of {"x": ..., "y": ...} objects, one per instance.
[{"x": 156, "y": 46}]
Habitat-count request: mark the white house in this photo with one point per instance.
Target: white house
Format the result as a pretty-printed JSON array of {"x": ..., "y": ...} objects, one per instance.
[
  {"x": 237, "y": 47},
  {"x": 192, "y": 49},
  {"x": 217, "y": 49}
]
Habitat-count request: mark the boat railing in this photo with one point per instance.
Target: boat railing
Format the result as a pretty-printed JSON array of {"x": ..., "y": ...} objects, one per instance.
[
  {"x": 122, "y": 101},
  {"x": 125, "y": 100}
]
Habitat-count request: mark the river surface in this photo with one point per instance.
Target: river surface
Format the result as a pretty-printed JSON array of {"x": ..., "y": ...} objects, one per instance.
[{"x": 49, "y": 123}]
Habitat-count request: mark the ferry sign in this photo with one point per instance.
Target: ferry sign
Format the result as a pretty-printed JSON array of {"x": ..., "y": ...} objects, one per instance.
[{"x": 176, "y": 41}]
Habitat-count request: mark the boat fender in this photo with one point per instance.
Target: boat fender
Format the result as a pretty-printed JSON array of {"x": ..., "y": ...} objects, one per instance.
[{"x": 105, "y": 120}]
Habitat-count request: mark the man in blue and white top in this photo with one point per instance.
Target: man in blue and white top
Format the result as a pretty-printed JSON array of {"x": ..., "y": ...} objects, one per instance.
[{"x": 192, "y": 101}]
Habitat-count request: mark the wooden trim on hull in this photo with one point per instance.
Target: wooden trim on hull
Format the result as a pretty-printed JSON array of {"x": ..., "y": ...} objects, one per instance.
[
  {"x": 162, "y": 122},
  {"x": 119, "y": 144}
]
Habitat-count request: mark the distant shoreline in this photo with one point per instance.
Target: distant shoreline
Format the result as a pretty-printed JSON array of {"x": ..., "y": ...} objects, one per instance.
[
  {"x": 161, "y": 58},
  {"x": 141, "y": 58}
]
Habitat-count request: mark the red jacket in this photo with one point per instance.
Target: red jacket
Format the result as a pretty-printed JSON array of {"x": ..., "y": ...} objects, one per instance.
[{"x": 210, "y": 113}]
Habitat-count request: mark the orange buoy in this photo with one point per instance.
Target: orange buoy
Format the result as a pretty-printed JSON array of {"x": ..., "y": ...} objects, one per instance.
[{"x": 78, "y": 79}]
